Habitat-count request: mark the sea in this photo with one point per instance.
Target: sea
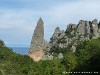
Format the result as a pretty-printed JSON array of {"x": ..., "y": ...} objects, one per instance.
[{"x": 20, "y": 50}]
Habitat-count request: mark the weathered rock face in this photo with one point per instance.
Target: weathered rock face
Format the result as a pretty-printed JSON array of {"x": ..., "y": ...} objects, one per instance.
[
  {"x": 84, "y": 30},
  {"x": 56, "y": 34},
  {"x": 60, "y": 56},
  {"x": 95, "y": 28},
  {"x": 81, "y": 27},
  {"x": 36, "y": 50}
]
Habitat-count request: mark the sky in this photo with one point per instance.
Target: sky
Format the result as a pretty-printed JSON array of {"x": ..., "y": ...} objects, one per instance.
[{"x": 18, "y": 18}]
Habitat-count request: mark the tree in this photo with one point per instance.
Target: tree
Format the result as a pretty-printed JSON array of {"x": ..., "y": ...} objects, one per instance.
[
  {"x": 69, "y": 61},
  {"x": 88, "y": 53}
]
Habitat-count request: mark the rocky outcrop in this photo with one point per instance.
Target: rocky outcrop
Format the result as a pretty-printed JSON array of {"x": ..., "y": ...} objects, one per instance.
[
  {"x": 36, "y": 50},
  {"x": 84, "y": 30}
]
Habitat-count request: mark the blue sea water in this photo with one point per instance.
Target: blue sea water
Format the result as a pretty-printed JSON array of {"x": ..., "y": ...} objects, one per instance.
[{"x": 20, "y": 50}]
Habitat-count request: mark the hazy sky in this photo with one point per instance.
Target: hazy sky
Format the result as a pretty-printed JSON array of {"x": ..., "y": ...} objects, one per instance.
[{"x": 18, "y": 18}]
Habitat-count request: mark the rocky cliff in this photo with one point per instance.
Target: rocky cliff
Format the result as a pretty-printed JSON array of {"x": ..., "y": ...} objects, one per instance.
[{"x": 74, "y": 33}]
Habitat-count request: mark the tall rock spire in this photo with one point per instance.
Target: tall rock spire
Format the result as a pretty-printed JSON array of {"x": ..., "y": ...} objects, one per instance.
[{"x": 37, "y": 43}]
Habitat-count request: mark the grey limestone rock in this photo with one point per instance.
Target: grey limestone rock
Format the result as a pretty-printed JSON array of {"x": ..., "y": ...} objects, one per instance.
[
  {"x": 95, "y": 28},
  {"x": 87, "y": 27},
  {"x": 71, "y": 26},
  {"x": 60, "y": 56},
  {"x": 81, "y": 27},
  {"x": 95, "y": 21},
  {"x": 37, "y": 42},
  {"x": 62, "y": 34},
  {"x": 47, "y": 57},
  {"x": 55, "y": 36},
  {"x": 84, "y": 30},
  {"x": 50, "y": 57},
  {"x": 73, "y": 48},
  {"x": 61, "y": 45},
  {"x": 56, "y": 33}
]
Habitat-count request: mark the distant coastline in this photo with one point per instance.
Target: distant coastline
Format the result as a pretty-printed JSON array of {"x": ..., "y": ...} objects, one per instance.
[{"x": 20, "y": 50}]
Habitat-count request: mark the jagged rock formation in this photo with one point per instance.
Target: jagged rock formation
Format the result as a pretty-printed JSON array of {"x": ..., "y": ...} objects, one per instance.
[
  {"x": 36, "y": 50},
  {"x": 84, "y": 30}
]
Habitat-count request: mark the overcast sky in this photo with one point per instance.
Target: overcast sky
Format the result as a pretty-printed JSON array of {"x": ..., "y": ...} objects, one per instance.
[{"x": 18, "y": 18}]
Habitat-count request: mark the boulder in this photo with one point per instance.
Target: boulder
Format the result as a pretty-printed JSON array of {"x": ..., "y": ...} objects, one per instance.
[
  {"x": 73, "y": 48},
  {"x": 60, "y": 56}
]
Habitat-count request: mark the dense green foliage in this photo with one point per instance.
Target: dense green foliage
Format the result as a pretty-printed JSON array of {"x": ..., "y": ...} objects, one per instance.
[
  {"x": 86, "y": 58},
  {"x": 16, "y": 64},
  {"x": 70, "y": 61}
]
